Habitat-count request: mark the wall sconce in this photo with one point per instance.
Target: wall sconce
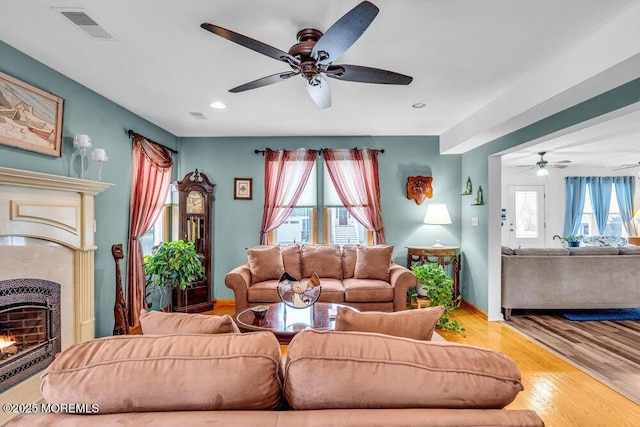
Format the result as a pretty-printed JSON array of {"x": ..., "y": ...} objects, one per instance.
[
  {"x": 82, "y": 143},
  {"x": 100, "y": 156},
  {"x": 437, "y": 214}
]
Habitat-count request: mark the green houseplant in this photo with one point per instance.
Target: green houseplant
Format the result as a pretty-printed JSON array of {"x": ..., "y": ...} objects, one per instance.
[
  {"x": 174, "y": 264},
  {"x": 433, "y": 279},
  {"x": 570, "y": 239}
]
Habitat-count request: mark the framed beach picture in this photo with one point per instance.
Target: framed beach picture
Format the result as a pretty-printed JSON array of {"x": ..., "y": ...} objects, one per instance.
[
  {"x": 30, "y": 118},
  {"x": 242, "y": 188}
]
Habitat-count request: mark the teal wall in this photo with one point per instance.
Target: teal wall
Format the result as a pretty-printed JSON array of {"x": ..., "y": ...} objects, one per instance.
[
  {"x": 236, "y": 223},
  {"x": 107, "y": 124},
  {"x": 474, "y": 240}
]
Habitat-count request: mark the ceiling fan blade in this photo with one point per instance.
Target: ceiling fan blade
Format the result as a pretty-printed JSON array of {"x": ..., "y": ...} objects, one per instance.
[
  {"x": 357, "y": 73},
  {"x": 250, "y": 43},
  {"x": 562, "y": 161},
  {"x": 344, "y": 33},
  {"x": 274, "y": 78},
  {"x": 557, "y": 166},
  {"x": 621, "y": 167},
  {"x": 320, "y": 92},
  {"x": 528, "y": 168}
]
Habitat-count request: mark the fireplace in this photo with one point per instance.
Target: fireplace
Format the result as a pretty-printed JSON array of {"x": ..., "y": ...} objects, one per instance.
[
  {"x": 29, "y": 328},
  {"x": 47, "y": 231}
]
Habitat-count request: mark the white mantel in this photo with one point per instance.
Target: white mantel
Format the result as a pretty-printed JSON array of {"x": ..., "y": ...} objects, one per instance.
[{"x": 57, "y": 209}]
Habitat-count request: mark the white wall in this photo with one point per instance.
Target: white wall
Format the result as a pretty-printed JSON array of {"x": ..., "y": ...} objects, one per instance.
[{"x": 554, "y": 191}]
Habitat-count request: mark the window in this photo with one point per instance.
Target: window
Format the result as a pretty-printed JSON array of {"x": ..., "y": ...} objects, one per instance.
[
  {"x": 614, "y": 227},
  {"x": 302, "y": 224},
  {"x": 161, "y": 229}
]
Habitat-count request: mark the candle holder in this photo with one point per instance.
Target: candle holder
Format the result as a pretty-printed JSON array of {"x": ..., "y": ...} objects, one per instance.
[
  {"x": 82, "y": 143},
  {"x": 100, "y": 156}
]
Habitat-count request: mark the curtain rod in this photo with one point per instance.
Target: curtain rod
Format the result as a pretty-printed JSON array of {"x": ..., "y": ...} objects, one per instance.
[
  {"x": 381, "y": 151},
  {"x": 133, "y": 134}
]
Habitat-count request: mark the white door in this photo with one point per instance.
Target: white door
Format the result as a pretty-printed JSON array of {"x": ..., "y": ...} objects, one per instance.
[{"x": 525, "y": 216}]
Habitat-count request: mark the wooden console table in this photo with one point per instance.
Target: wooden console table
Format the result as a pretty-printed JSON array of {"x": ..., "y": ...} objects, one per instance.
[{"x": 445, "y": 256}]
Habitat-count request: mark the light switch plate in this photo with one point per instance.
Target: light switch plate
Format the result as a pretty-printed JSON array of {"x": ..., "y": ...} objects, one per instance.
[{"x": 474, "y": 221}]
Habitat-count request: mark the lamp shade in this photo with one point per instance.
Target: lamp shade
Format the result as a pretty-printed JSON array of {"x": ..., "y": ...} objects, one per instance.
[{"x": 437, "y": 214}]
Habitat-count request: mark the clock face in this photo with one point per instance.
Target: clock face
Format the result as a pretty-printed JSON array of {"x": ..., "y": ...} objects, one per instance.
[{"x": 195, "y": 203}]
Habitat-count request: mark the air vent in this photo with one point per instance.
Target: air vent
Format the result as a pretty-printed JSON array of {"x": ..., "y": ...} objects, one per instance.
[
  {"x": 198, "y": 115},
  {"x": 87, "y": 24}
]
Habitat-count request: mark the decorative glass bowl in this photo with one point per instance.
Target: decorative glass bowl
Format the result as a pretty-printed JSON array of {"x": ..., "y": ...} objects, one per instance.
[{"x": 298, "y": 294}]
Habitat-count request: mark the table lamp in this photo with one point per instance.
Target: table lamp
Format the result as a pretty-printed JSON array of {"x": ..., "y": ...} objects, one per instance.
[{"x": 437, "y": 214}]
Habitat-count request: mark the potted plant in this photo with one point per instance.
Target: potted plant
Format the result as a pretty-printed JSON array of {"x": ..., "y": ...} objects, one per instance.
[
  {"x": 433, "y": 279},
  {"x": 571, "y": 240},
  {"x": 173, "y": 264}
]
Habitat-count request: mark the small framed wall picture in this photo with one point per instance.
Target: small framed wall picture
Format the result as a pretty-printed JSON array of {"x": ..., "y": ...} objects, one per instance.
[{"x": 242, "y": 188}]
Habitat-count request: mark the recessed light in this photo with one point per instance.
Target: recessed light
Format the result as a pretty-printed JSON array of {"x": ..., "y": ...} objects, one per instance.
[
  {"x": 218, "y": 105},
  {"x": 420, "y": 104}
]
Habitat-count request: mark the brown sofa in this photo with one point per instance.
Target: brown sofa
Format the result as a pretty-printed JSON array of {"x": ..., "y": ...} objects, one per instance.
[
  {"x": 363, "y": 277},
  {"x": 327, "y": 379}
]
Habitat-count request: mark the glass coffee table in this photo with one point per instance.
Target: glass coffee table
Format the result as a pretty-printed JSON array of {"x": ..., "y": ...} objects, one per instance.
[{"x": 285, "y": 322}]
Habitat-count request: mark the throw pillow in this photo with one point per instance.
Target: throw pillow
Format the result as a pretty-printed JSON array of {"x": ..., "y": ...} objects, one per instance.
[
  {"x": 160, "y": 323},
  {"x": 373, "y": 262},
  {"x": 265, "y": 263},
  {"x": 415, "y": 324}
]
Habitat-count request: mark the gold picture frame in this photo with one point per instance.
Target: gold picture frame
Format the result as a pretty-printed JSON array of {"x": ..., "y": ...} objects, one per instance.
[
  {"x": 30, "y": 118},
  {"x": 242, "y": 188}
]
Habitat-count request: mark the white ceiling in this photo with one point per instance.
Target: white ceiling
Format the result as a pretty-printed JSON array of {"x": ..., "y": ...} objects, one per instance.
[{"x": 479, "y": 64}]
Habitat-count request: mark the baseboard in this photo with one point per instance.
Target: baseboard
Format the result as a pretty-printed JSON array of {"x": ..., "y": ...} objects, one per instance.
[
  {"x": 473, "y": 309},
  {"x": 224, "y": 303}
]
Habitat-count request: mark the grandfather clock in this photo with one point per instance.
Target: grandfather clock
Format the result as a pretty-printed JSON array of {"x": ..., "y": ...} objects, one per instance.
[{"x": 195, "y": 195}]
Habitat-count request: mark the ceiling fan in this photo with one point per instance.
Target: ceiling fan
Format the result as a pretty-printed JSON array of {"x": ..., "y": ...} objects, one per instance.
[
  {"x": 315, "y": 53},
  {"x": 543, "y": 165},
  {"x": 629, "y": 166}
]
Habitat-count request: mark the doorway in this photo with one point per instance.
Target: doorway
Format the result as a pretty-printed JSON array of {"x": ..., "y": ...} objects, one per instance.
[{"x": 525, "y": 216}]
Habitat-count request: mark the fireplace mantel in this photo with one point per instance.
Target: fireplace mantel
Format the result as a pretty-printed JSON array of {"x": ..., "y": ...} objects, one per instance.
[{"x": 58, "y": 209}]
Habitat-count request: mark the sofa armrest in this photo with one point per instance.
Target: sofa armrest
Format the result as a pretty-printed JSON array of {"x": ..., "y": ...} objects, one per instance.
[
  {"x": 239, "y": 280},
  {"x": 401, "y": 279}
]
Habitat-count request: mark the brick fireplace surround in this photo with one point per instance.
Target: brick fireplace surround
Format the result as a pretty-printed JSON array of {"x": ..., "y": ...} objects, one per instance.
[{"x": 47, "y": 232}]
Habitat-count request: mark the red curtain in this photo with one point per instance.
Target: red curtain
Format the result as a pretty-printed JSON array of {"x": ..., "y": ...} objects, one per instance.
[
  {"x": 354, "y": 174},
  {"x": 151, "y": 176},
  {"x": 285, "y": 175}
]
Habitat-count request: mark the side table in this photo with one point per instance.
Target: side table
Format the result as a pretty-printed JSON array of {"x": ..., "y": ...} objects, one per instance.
[{"x": 445, "y": 256}]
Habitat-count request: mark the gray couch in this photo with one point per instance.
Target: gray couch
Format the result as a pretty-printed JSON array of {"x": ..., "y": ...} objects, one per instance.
[{"x": 573, "y": 278}]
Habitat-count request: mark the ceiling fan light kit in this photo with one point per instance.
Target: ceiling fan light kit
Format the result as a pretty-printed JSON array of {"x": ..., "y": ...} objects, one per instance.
[
  {"x": 543, "y": 165},
  {"x": 314, "y": 54}
]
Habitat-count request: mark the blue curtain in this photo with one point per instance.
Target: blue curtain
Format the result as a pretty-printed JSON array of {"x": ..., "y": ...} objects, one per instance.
[
  {"x": 600, "y": 192},
  {"x": 625, "y": 189},
  {"x": 574, "y": 194}
]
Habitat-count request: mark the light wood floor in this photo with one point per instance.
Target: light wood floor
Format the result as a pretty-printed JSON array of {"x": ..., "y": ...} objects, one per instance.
[{"x": 561, "y": 394}]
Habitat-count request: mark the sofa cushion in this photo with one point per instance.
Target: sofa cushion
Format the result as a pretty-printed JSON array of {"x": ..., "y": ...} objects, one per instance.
[
  {"x": 373, "y": 262},
  {"x": 266, "y": 291},
  {"x": 141, "y": 373},
  {"x": 542, "y": 251},
  {"x": 408, "y": 373},
  {"x": 506, "y": 250},
  {"x": 594, "y": 250},
  {"x": 367, "y": 290},
  {"x": 325, "y": 260},
  {"x": 291, "y": 260},
  {"x": 265, "y": 263},
  {"x": 415, "y": 324},
  {"x": 349, "y": 256},
  {"x": 160, "y": 323},
  {"x": 332, "y": 290},
  {"x": 629, "y": 250}
]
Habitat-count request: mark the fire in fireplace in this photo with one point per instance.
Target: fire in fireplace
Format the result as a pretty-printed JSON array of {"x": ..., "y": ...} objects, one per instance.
[{"x": 29, "y": 328}]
